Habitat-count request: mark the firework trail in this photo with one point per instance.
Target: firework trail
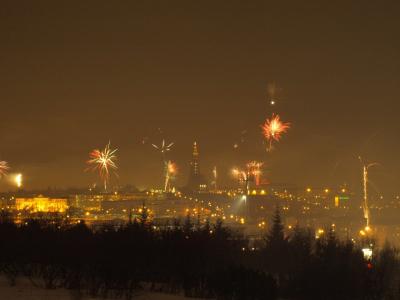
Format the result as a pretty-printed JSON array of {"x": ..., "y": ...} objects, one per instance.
[
  {"x": 271, "y": 92},
  {"x": 18, "y": 180},
  {"x": 103, "y": 162},
  {"x": 243, "y": 177},
  {"x": 170, "y": 172},
  {"x": 366, "y": 210},
  {"x": 242, "y": 139},
  {"x": 251, "y": 173},
  {"x": 3, "y": 168},
  {"x": 215, "y": 178},
  {"x": 254, "y": 171},
  {"x": 169, "y": 167},
  {"x": 240, "y": 175},
  {"x": 273, "y": 129}
]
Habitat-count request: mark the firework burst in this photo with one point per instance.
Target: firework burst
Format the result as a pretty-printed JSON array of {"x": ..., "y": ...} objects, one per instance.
[
  {"x": 169, "y": 167},
  {"x": 170, "y": 172},
  {"x": 273, "y": 129},
  {"x": 254, "y": 170},
  {"x": 103, "y": 162},
  {"x": 243, "y": 178},
  {"x": 3, "y": 168},
  {"x": 252, "y": 173},
  {"x": 164, "y": 147}
]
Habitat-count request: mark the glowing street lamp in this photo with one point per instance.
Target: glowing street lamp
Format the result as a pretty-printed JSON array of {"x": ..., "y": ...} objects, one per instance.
[
  {"x": 319, "y": 233},
  {"x": 367, "y": 252}
]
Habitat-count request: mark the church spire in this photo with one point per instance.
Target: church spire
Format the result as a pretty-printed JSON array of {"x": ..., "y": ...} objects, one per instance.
[
  {"x": 195, "y": 161},
  {"x": 196, "y": 180}
]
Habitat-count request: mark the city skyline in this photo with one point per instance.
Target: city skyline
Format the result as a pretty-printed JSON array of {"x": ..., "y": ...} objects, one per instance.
[{"x": 227, "y": 150}]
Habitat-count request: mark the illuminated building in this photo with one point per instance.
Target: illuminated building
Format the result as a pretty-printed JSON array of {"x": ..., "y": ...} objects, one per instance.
[
  {"x": 87, "y": 202},
  {"x": 196, "y": 181},
  {"x": 41, "y": 204},
  {"x": 341, "y": 201}
]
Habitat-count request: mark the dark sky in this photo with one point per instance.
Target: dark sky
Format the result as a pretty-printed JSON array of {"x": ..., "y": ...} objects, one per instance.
[{"x": 76, "y": 74}]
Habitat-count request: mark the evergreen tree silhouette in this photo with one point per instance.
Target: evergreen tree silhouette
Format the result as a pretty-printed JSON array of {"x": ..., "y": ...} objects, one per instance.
[{"x": 276, "y": 249}]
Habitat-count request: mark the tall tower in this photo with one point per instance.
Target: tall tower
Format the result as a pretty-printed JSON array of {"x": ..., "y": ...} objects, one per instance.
[
  {"x": 196, "y": 181},
  {"x": 194, "y": 164}
]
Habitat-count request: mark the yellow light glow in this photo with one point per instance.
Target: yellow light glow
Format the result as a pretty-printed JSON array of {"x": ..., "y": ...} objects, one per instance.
[
  {"x": 41, "y": 204},
  {"x": 18, "y": 180},
  {"x": 367, "y": 252}
]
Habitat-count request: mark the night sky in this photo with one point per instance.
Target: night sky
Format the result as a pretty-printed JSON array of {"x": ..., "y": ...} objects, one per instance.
[{"x": 75, "y": 75}]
